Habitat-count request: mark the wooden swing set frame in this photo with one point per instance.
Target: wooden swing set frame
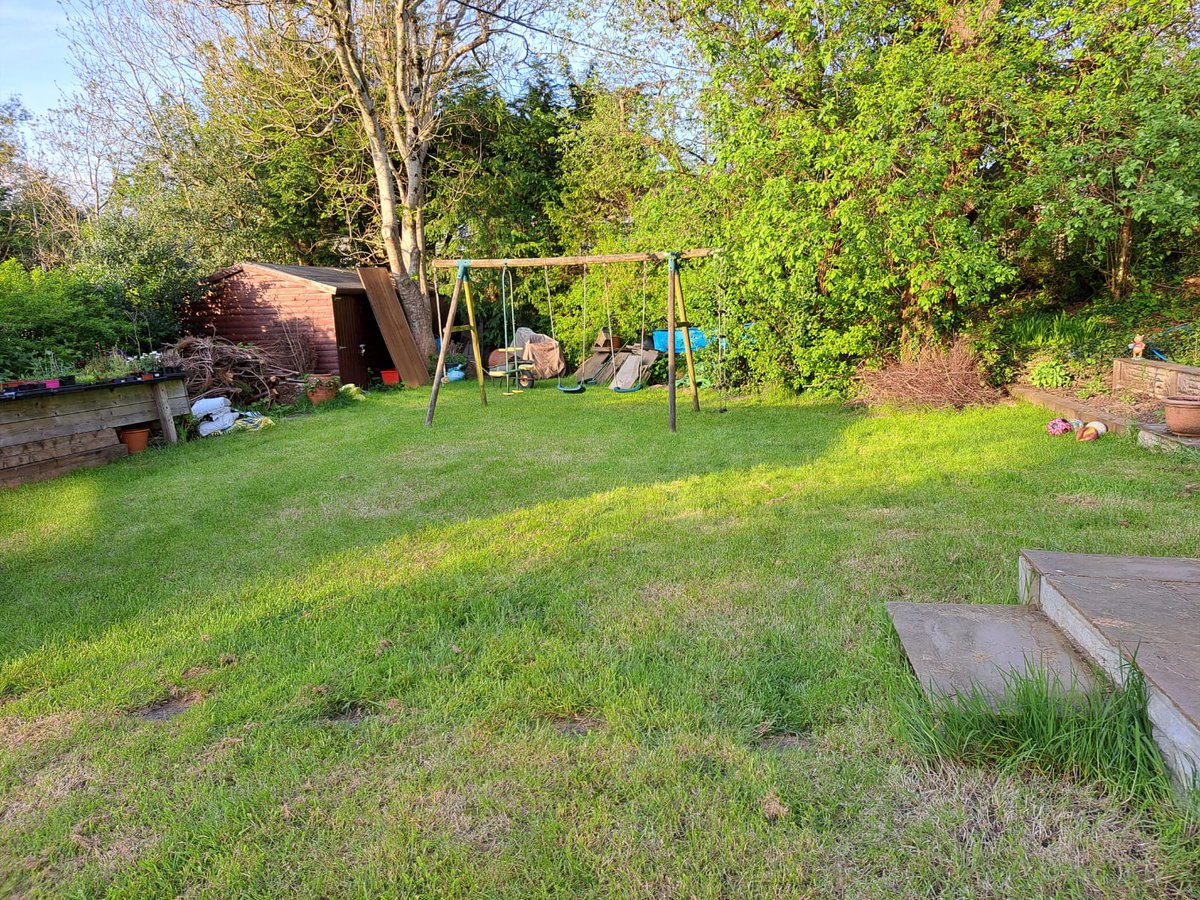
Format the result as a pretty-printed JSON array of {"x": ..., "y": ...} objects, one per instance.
[{"x": 675, "y": 304}]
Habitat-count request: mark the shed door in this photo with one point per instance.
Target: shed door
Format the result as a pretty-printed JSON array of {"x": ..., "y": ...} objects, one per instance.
[{"x": 352, "y": 348}]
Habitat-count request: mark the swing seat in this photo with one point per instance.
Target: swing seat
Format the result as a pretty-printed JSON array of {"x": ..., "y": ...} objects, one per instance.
[
  {"x": 572, "y": 388},
  {"x": 629, "y": 390}
]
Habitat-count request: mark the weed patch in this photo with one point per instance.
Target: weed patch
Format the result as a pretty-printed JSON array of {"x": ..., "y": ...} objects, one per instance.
[{"x": 1102, "y": 735}]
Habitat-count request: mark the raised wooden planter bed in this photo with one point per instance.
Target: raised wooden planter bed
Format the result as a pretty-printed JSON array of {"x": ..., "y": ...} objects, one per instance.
[
  {"x": 1157, "y": 379},
  {"x": 48, "y": 432}
]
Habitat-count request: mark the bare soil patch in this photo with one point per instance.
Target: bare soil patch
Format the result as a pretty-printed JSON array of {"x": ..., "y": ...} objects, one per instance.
[
  {"x": 460, "y": 815},
  {"x": 349, "y": 714},
  {"x": 1138, "y": 407},
  {"x": 17, "y": 732},
  {"x": 175, "y": 703},
  {"x": 111, "y": 847},
  {"x": 576, "y": 726},
  {"x": 783, "y": 741},
  {"x": 47, "y": 789}
]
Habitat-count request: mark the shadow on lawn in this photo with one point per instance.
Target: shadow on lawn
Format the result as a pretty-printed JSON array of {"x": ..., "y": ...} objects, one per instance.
[
  {"x": 168, "y": 533},
  {"x": 761, "y": 583}
]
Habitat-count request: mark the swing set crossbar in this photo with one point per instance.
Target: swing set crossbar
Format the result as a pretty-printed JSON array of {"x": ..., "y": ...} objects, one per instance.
[{"x": 538, "y": 261}]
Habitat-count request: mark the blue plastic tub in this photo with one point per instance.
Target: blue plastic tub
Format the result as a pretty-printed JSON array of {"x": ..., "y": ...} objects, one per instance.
[{"x": 695, "y": 334}]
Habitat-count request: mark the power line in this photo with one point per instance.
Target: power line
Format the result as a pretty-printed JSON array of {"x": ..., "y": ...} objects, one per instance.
[{"x": 628, "y": 57}]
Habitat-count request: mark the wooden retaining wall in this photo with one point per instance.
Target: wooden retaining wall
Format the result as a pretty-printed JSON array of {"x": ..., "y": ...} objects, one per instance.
[
  {"x": 50, "y": 433},
  {"x": 1157, "y": 379}
]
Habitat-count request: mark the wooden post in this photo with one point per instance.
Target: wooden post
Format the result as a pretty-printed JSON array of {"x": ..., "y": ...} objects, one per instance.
[
  {"x": 165, "y": 419},
  {"x": 671, "y": 263},
  {"x": 687, "y": 343},
  {"x": 475, "y": 342},
  {"x": 441, "y": 363}
]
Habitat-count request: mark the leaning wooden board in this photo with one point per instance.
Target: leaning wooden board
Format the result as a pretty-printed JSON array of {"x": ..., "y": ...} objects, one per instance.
[
  {"x": 381, "y": 292},
  {"x": 634, "y": 369}
]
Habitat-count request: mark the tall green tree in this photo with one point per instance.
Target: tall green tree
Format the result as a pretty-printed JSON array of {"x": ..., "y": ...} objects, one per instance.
[
  {"x": 894, "y": 170},
  {"x": 1116, "y": 176}
]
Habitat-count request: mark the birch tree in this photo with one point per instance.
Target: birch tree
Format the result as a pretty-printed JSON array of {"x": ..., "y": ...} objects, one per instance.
[{"x": 399, "y": 60}]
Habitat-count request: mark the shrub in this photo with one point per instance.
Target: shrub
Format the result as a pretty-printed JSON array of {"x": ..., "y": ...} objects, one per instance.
[
  {"x": 1050, "y": 373},
  {"x": 150, "y": 277},
  {"x": 55, "y": 313}
]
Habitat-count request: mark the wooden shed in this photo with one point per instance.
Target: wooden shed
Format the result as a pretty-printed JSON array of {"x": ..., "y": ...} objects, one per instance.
[{"x": 251, "y": 302}]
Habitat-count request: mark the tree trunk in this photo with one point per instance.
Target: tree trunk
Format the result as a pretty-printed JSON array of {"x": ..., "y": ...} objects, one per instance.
[
  {"x": 416, "y": 310},
  {"x": 1118, "y": 278},
  {"x": 412, "y": 249},
  {"x": 349, "y": 61},
  {"x": 394, "y": 230}
]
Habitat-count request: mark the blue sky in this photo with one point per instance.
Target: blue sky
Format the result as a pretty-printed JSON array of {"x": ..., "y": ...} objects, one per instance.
[{"x": 33, "y": 56}]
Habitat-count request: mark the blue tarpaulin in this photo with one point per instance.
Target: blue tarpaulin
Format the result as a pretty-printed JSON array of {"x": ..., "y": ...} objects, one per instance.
[{"x": 695, "y": 334}]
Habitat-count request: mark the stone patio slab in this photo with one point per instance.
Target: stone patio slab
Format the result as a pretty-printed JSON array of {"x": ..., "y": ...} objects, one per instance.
[
  {"x": 957, "y": 647},
  {"x": 1140, "y": 610},
  {"x": 1098, "y": 565}
]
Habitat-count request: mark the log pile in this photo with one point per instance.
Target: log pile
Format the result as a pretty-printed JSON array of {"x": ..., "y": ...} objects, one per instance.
[{"x": 215, "y": 367}]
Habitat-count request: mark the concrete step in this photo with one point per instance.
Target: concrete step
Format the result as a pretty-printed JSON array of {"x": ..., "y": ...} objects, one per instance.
[
  {"x": 1132, "y": 609},
  {"x": 957, "y": 647}
]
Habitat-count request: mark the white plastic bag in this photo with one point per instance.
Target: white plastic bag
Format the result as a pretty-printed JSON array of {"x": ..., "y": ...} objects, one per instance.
[
  {"x": 217, "y": 424},
  {"x": 211, "y": 406}
]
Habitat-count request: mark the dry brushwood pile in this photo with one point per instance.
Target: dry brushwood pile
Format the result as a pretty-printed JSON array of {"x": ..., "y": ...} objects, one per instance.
[
  {"x": 937, "y": 376},
  {"x": 215, "y": 367}
]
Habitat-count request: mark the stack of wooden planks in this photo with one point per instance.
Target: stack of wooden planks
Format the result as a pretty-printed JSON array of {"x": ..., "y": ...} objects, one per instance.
[{"x": 48, "y": 434}]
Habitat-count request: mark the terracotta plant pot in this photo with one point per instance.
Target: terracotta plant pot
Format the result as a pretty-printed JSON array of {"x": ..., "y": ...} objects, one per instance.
[
  {"x": 320, "y": 388},
  {"x": 1183, "y": 415},
  {"x": 390, "y": 376},
  {"x": 134, "y": 438}
]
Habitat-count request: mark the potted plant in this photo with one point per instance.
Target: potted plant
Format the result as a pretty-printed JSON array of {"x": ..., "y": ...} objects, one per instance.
[
  {"x": 1183, "y": 415},
  {"x": 135, "y": 438},
  {"x": 320, "y": 388}
]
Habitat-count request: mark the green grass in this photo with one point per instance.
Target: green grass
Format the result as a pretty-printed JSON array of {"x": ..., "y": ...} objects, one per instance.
[
  {"x": 1100, "y": 734},
  {"x": 548, "y": 649}
]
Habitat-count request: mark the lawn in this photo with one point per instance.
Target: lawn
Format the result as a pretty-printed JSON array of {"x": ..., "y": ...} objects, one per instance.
[{"x": 548, "y": 649}]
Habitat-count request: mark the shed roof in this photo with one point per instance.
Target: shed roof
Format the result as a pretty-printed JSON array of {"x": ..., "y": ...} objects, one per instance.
[{"x": 338, "y": 282}]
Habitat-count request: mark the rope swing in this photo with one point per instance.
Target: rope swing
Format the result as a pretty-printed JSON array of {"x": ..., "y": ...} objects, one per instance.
[{"x": 577, "y": 388}]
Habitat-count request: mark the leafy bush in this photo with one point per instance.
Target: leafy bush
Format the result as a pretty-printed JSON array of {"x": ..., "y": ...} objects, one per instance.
[
  {"x": 55, "y": 314},
  {"x": 150, "y": 277},
  {"x": 1061, "y": 331},
  {"x": 1050, "y": 373}
]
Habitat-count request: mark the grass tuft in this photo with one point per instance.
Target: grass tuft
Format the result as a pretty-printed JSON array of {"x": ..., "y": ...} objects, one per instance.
[{"x": 1100, "y": 734}]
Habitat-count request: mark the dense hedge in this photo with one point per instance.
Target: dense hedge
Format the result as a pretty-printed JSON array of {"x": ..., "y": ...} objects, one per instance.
[{"x": 55, "y": 315}]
